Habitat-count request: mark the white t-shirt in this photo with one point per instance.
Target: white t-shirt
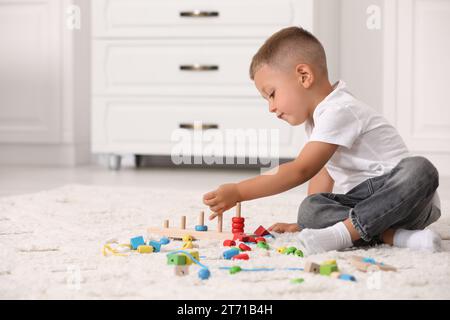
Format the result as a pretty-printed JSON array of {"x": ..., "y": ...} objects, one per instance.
[{"x": 368, "y": 145}]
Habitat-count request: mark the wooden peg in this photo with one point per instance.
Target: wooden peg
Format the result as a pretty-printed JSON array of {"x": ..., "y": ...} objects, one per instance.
[
  {"x": 238, "y": 209},
  {"x": 166, "y": 223},
  {"x": 201, "y": 218},
  {"x": 219, "y": 222},
  {"x": 183, "y": 222}
]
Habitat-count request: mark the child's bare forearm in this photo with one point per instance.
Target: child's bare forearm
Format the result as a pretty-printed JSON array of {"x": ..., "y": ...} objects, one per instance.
[{"x": 287, "y": 177}]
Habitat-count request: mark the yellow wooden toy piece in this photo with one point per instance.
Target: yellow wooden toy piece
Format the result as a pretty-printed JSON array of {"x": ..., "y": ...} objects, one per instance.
[
  {"x": 281, "y": 250},
  {"x": 194, "y": 254},
  {"x": 187, "y": 245},
  {"x": 145, "y": 249},
  {"x": 107, "y": 249}
]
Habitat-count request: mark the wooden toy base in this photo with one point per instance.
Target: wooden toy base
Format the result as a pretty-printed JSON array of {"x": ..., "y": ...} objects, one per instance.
[
  {"x": 175, "y": 233},
  {"x": 358, "y": 262}
]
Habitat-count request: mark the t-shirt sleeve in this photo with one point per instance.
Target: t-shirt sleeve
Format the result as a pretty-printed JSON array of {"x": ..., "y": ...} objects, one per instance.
[{"x": 336, "y": 125}]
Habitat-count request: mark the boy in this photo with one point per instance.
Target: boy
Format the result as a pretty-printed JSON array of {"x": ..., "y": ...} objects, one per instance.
[{"x": 389, "y": 197}]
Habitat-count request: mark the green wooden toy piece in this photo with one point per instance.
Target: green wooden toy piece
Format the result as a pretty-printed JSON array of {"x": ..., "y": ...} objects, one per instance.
[
  {"x": 263, "y": 245},
  {"x": 290, "y": 250},
  {"x": 235, "y": 269},
  {"x": 327, "y": 269},
  {"x": 299, "y": 253},
  {"x": 176, "y": 259},
  {"x": 297, "y": 280}
]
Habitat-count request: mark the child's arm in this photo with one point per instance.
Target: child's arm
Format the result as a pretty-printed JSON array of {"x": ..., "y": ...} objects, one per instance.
[
  {"x": 321, "y": 182},
  {"x": 287, "y": 176}
]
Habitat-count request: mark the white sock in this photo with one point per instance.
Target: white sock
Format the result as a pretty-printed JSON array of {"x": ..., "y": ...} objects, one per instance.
[
  {"x": 335, "y": 237},
  {"x": 417, "y": 239}
]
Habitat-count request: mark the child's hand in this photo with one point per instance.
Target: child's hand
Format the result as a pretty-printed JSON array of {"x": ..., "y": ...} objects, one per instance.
[
  {"x": 284, "y": 227},
  {"x": 222, "y": 199}
]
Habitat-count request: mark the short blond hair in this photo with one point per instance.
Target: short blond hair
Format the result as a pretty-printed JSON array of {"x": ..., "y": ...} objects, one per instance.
[{"x": 288, "y": 47}]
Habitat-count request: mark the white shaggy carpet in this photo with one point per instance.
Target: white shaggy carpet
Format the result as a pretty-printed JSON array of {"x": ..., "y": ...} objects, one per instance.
[{"x": 52, "y": 239}]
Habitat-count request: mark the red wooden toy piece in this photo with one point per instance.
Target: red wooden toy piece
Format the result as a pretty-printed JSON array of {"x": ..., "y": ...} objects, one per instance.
[
  {"x": 242, "y": 237},
  {"x": 244, "y": 247},
  {"x": 242, "y": 256},
  {"x": 252, "y": 239},
  {"x": 229, "y": 243},
  {"x": 259, "y": 239},
  {"x": 261, "y": 231},
  {"x": 237, "y": 225}
]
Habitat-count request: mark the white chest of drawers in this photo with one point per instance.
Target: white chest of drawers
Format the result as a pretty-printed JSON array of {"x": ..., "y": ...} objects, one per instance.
[{"x": 164, "y": 65}]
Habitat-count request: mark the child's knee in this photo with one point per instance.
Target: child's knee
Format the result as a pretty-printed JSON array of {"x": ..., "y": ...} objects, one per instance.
[{"x": 422, "y": 170}]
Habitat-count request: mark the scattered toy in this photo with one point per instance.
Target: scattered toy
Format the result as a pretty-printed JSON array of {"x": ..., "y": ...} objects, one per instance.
[
  {"x": 241, "y": 256},
  {"x": 145, "y": 249},
  {"x": 369, "y": 264},
  {"x": 244, "y": 247},
  {"x": 235, "y": 269},
  {"x": 312, "y": 267},
  {"x": 299, "y": 253},
  {"x": 231, "y": 253},
  {"x": 261, "y": 231},
  {"x": 263, "y": 245},
  {"x": 192, "y": 257},
  {"x": 229, "y": 243},
  {"x": 136, "y": 242},
  {"x": 176, "y": 259},
  {"x": 281, "y": 250},
  {"x": 297, "y": 280},
  {"x": 204, "y": 273}
]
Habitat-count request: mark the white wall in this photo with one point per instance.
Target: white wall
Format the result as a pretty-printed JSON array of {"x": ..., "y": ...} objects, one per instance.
[
  {"x": 361, "y": 52},
  {"x": 44, "y": 83}
]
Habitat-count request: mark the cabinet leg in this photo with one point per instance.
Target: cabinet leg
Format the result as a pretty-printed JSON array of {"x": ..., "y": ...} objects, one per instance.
[
  {"x": 138, "y": 160},
  {"x": 114, "y": 161}
]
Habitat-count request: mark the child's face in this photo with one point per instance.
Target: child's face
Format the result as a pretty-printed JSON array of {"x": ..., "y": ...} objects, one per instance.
[{"x": 286, "y": 96}]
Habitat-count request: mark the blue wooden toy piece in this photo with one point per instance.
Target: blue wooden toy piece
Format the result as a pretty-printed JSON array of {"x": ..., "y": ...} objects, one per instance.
[
  {"x": 369, "y": 260},
  {"x": 347, "y": 277},
  {"x": 164, "y": 241},
  {"x": 204, "y": 273},
  {"x": 136, "y": 242},
  {"x": 201, "y": 228},
  {"x": 155, "y": 244},
  {"x": 231, "y": 253}
]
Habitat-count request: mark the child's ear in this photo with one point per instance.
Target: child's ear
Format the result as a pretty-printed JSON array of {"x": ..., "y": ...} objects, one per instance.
[{"x": 304, "y": 75}]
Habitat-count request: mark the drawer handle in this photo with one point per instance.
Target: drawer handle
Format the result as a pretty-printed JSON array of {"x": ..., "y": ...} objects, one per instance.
[
  {"x": 199, "y": 14},
  {"x": 198, "y": 67},
  {"x": 193, "y": 126}
]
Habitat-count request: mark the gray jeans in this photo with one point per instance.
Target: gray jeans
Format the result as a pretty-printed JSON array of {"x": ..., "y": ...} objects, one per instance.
[{"x": 398, "y": 199}]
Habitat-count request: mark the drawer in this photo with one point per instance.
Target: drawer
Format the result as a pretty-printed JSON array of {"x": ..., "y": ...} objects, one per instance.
[
  {"x": 156, "y": 126},
  {"x": 168, "y": 67},
  {"x": 197, "y": 18}
]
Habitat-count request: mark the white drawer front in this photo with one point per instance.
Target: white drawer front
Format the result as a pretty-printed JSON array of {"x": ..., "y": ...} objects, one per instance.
[
  {"x": 148, "y": 126},
  {"x": 166, "y": 67},
  {"x": 162, "y": 18}
]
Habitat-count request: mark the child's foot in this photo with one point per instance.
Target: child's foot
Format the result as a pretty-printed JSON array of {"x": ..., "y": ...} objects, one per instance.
[
  {"x": 335, "y": 237},
  {"x": 284, "y": 227},
  {"x": 417, "y": 239}
]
